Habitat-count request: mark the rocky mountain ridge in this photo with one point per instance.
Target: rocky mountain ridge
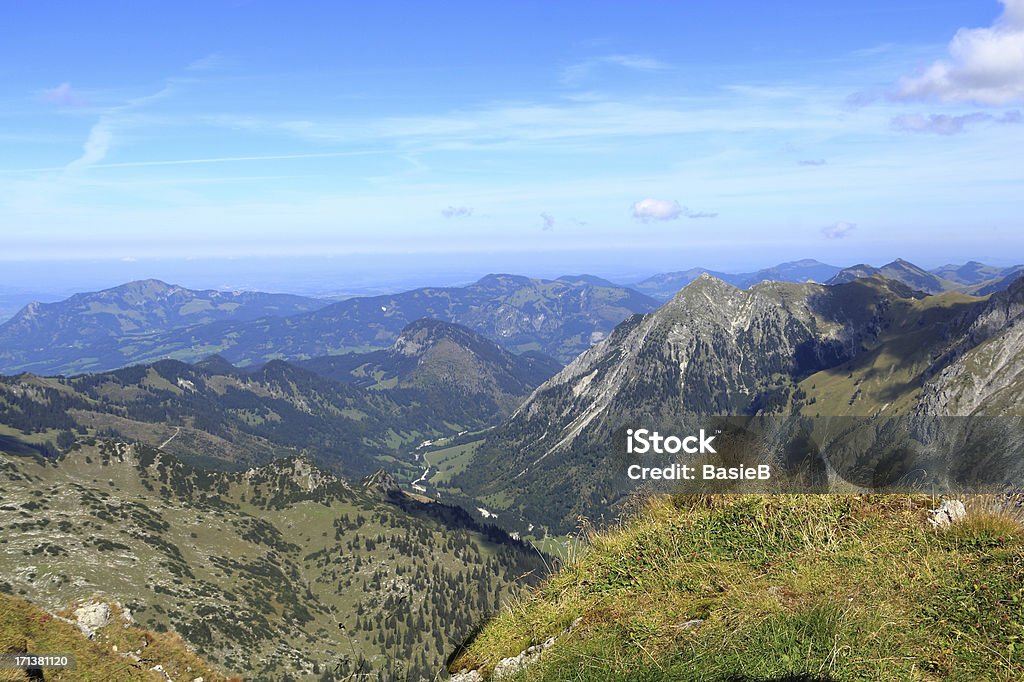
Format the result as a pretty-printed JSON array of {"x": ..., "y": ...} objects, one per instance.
[{"x": 871, "y": 347}]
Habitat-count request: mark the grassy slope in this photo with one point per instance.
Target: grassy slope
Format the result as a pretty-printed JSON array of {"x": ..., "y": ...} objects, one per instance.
[
  {"x": 886, "y": 378},
  {"x": 825, "y": 587},
  {"x": 24, "y": 627}
]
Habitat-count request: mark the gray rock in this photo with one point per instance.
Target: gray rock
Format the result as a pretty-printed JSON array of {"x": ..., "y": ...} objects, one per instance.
[
  {"x": 92, "y": 616},
  {"x": 947, "y": 513},
  {"x": 160, "y": 669},
  {"x": 467, "y": 676},
  {"x": 508, "y": 667}
]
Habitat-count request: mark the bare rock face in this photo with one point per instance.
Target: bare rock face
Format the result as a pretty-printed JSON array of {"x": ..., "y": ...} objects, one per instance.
[
  {"x": 513, "y": 665},
  {"x": 985, "y": 374},
  {"x": 92, "y": 616}
]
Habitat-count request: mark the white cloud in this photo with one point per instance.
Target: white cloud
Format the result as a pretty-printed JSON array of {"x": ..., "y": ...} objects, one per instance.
[
  {"x": 547, "y": 222},
  {"x": 986, "y": 65},
  {"x": 96, "y": 146},
  {"x": 457, "y": 212},
  {"x": 649, "y": 209},
  {"x": 838, "y": 230},
  {"x": 656, "y": 209},
  {"x": 811, "y": 162}
]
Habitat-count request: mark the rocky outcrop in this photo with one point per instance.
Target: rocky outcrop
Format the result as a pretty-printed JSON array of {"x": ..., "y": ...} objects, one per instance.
[
  {"x": 509, "y": 667},
  {"x": 947, "y": 514},
  {"x": 92, "y": 616}
]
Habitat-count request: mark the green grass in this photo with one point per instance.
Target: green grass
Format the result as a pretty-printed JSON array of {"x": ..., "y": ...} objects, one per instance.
[
  {"x": 451, "y": 461},
  {"x": 787, "y": 587},
  {"x": 26, "y": 628},
  {"x": 887, "y": 376}
]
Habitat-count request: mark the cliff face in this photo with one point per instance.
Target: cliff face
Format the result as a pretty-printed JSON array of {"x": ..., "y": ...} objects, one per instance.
[{"x": 986, "y": 373}]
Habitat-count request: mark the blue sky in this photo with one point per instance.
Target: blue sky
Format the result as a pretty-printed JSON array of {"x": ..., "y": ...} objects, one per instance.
[{"x": 641, "y": 136}]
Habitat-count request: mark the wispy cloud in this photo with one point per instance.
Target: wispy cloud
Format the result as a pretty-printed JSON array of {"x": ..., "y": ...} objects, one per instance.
[
  {"x": 457, "y": 212},
  {"x": 63, "y": 95},
  {"x": 698, "y": 214},
  {"x": 944, "y": 124},
  {"x": 101, "y": 136},
  {"x": 985, "y": 65},
  {"x": 839, "y": 230},
  {"x": 95, "y": 147},
  {"x": 583, "y": 70},
  {"x": 201, "y": 161},
  {"x": 811, "y": 162},
  {"x": 211, "y": 62},
  {"x": 547, "y": 222},
  {"x": 506, "y": 125}
]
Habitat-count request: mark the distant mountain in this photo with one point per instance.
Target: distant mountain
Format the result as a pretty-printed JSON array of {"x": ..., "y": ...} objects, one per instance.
[
  {"x": 84, "y": 332},
  {"x": 899, "y": 270},
  {"x": 451, "y": 362},
  {"x": 872, "y": 347},
  {"x": 974, "y": 278},
  {"x": 560, "y": 318},
  {"x": 664, "y": 286},
  {"x": 278, "y": 572},
  {"x": 1000, "y": 284},
  {"x": 973, "y": 273}
]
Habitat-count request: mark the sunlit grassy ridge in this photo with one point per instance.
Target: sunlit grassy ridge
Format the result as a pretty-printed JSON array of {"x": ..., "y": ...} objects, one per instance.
[
  {"x": 768, "y": 588},
  {"x": 26, "y": 628}
]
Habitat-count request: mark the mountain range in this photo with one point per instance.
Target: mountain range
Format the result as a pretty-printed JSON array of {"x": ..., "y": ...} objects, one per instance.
[
  {"x": 971, "y": 277},
  {"x": 289, "y": 509},
  {"x": 149, "y": 320},
  {"x": 436, "y": 380},
  {"x": 871, "y": 348},
  {"x": 665, "y": 285},
  {"x": 118, "y": 327}
]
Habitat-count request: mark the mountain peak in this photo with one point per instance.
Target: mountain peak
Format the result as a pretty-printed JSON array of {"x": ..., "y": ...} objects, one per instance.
[
  {"x": 709, "y": 284},
  {"x": 382, "y": 482},
  {"x": 419, "y": 335},
  {"x": 901, "y": 263}
]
